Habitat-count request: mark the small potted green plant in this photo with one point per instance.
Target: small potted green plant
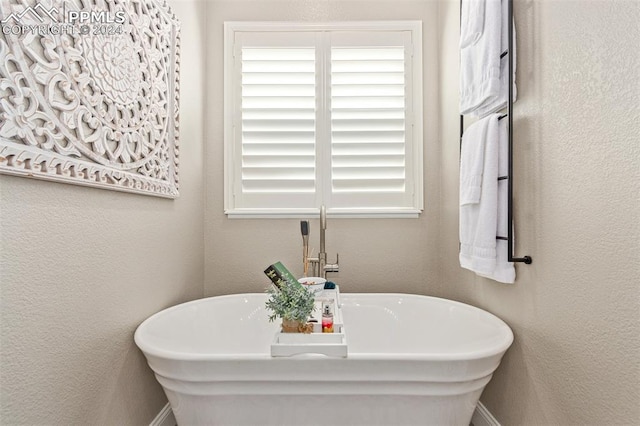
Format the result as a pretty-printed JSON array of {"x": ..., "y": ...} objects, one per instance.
[{"x": 293, "y": 303}]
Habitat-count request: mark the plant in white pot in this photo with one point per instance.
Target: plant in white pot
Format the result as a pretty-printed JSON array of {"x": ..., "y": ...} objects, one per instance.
[{"x": 293, "y": 303}]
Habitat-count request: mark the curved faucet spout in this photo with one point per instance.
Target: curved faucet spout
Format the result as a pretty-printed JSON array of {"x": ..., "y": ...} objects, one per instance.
[
  {"x": 321, "y": 260},
  {"x": 323, "y": 217},
  {"x": 323, "y": 228},
  {"x": 323, "y": 266}
]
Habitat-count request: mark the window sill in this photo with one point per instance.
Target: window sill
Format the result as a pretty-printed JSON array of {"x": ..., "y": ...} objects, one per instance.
[{"x": 398, "y": 213}]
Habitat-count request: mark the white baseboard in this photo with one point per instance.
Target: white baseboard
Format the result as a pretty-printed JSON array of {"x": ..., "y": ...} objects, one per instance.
[
  {"x": 482, "y": 417},
  {"x": 165, "y": 417}
]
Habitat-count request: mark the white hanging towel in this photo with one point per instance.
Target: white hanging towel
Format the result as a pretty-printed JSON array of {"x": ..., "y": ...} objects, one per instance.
[
  {"x": 479, "y": 212},
  {"x": 505, "y": 271},
  {"x": 472, "y": 22},
  {"x": 483, "y": 74},
  {"x": 479, "y": 200},
  {"x": 500, "y": 102}
]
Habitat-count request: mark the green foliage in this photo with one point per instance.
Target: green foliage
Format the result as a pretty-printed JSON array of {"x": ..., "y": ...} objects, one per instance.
[{"x": 291, "y": 302}]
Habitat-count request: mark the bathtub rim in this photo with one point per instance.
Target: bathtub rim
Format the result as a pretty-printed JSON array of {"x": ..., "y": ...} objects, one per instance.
[{"x": 496, "y": 350}]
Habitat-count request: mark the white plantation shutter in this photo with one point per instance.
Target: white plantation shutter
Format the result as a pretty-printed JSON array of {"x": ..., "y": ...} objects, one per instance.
[
  {"x": 323, "y": 117},
  {"x": 369, "y": 122},
  {"x": 278, "y": 120},
  {"x": 275, "y": 121}
]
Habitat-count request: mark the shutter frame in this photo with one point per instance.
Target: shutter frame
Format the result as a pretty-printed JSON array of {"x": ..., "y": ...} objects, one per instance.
[{"x": 247, "y": 167}]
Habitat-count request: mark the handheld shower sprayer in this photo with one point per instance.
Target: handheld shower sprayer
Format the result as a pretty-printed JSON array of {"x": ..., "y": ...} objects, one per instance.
[{"x": 304, "y": 229}]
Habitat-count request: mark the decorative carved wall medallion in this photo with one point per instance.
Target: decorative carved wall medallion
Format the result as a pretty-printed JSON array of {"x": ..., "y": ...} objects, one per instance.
[{"x": 89, "y": 93}]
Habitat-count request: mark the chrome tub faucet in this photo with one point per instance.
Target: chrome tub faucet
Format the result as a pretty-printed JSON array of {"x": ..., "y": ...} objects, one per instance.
[{"x": 319, "y": 265}]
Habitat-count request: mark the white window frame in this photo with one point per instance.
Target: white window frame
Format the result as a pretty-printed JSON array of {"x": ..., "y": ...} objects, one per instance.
[{"x": 414, "y": 120}]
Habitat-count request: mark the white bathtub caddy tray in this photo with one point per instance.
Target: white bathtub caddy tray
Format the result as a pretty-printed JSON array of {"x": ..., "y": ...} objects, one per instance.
[{"x": 329, "y": 344}]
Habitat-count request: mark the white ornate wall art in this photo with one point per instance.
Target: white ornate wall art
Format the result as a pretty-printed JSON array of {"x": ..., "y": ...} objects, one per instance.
[{"x": 89, "y": 93}]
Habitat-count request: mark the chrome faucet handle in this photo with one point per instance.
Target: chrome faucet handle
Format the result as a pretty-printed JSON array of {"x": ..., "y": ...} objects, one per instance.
[{"x": 333, "y": 267}]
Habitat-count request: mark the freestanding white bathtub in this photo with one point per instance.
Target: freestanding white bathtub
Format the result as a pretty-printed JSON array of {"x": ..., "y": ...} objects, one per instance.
[{"x": 413, "y": 360}]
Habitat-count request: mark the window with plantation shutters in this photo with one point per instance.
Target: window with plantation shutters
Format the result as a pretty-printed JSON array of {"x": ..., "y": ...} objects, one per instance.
[{"x": 323, "y": 114}]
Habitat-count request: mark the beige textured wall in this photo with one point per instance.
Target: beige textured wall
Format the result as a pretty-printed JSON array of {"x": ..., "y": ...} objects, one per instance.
[
  {"x": 375, "y": 255},
  {"x": 81, "y": 268},
  {"x": 575, "y": 311}
]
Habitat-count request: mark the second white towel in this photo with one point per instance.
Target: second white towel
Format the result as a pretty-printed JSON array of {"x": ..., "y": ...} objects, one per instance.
[
  {"x": 483, "y": 213},
  {"x": 505, "y": 271}
]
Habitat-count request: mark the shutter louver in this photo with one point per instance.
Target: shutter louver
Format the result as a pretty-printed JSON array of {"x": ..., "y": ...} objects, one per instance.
[
  {"x": 368, "y": 120},
  {"x": 278, "y": 120}
]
